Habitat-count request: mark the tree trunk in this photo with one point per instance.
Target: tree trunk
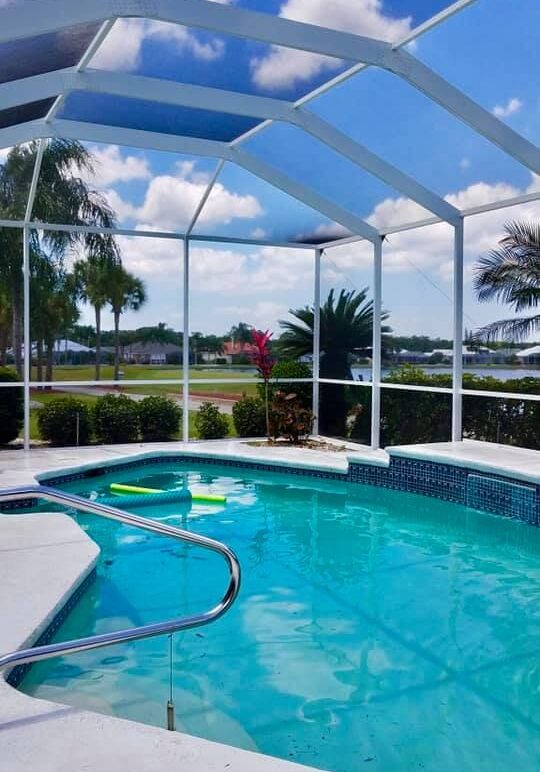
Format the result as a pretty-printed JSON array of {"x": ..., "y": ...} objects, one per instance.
[
  {"x": 97, "y": 311},
  {"x": 17, "y": 334},
  {"x": 39, "y": 356},
  {"x": 116, "y": 345},
  {"x": 49, "y": 362}
]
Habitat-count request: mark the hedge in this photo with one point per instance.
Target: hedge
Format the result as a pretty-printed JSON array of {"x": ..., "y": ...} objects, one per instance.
[
  {"x": 412, "y": 417},
  {"x": 11, "y": 408}
]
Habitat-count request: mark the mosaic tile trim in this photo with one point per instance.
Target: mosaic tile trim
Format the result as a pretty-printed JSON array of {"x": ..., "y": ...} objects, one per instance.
[
  {"x": 16, "y": 675},
  {"x": 493, "y": 495},
  {"x": 427, "y": 478}
]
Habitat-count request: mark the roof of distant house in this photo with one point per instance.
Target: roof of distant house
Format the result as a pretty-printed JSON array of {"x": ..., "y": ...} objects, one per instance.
[
  {"x": 61, "y": 346},
  {"x": 149, "y": 348},
  {"x": 233, "y": 348},
  {"x": 529, "y": 352}
]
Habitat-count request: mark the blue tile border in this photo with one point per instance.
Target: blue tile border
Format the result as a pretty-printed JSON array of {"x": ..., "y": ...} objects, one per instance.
[
  {"x": 16, "y": 675},
  {"x": 428, "y": 478}
]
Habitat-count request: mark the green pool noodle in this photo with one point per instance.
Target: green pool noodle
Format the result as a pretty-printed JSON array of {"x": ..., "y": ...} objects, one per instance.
[
  {"x": 207, "y": 498},
  {"x": 121, "y": 488}
]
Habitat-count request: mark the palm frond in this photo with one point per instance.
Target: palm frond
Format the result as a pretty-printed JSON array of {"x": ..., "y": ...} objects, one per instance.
[{"x": 518, "y": 329}]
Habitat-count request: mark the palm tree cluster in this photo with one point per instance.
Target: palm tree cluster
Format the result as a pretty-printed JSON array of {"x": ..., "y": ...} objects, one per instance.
[
  {"x": 511, "y": 274},
  {"x": 98, "y": 278}
]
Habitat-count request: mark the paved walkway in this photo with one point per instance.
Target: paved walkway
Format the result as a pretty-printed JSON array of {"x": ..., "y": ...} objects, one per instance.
[{"x": 225, "y": 405}]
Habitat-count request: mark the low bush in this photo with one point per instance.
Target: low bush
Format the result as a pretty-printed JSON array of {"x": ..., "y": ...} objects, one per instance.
[
  {"x": 284, "y": 370},
  {"x": 289, "y": 418},
  {"x": 159, "y": 419},
  {"x": 11, "y": 408},
  {"x": 210, "y": 424},
  {"x": 249, "y": 417},
  {"x": 65, "y": 421},
  {"x": 116, "y": 419}
]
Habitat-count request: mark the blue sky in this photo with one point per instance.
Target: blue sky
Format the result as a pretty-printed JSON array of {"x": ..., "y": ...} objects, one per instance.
[{"x": 489, "y": 50}]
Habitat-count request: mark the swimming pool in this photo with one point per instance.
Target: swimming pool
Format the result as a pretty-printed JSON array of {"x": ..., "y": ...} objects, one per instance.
[{"x": 375, "y": 629}]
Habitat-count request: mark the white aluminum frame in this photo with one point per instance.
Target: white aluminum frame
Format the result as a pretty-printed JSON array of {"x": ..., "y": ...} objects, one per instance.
[{"x": 54, "y": 15}]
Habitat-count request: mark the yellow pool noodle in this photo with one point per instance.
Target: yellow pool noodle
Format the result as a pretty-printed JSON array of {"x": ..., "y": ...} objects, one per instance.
[
  {"x": 208, "y": 498},
  {"x": 120, "y": 488}
]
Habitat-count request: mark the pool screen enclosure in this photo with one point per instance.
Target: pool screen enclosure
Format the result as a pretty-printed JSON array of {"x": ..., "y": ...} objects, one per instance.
[{"x": 50, "y": 87}]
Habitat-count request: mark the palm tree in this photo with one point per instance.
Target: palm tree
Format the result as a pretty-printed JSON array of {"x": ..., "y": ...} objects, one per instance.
[
  {"x": 511, "y": 274},
  {"x": 240, "y": 333},
  {"x": 53, "y": 309},
  {"x": 93, "y": 277},
  {"x": 62, "y": 196},
  {"x": 126, "y": 292},
  {"x": 346, "y": 326}
]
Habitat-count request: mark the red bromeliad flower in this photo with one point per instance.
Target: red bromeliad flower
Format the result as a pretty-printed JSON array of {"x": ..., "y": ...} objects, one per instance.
[{"x": 261, "y": 357}]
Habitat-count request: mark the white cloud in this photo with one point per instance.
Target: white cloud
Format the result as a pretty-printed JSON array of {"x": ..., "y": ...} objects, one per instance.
[
  {"x": 263, "y": 314},
  {"x": 123, "y": 209},
  {"x": 171, "y": 200},
  {"x": 121, "y": 49},
  {"x": 285, "y": 67},
  {"x": 4, "y": 152},
  {"x": 112, "y": 166},
  {"x": 513, "y": 106},
  {"x": 431, "y": 248}
]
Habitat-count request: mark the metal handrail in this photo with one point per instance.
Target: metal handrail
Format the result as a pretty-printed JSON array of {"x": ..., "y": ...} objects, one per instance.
[{"x": 38, "y": 653}]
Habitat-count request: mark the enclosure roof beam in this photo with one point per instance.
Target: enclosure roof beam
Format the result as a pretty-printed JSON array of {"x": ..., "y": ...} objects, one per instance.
[
  {"x": 171, "y": 235},
  {"x": 491, "y": 206},
  {"x": 307, "y": 196},
  {"x": 21, "y": 132},
  {"x": 454, "y": 101},
  {"x": 23, "y": 21},
  {"x": 202, "y": 97},
  {"x": 209, "y": 148}
]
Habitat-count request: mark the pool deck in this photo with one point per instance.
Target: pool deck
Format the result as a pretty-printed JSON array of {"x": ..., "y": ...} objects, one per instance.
[
  {"x": 51, "y": 552},
  {"x": 20, "y": 468}
]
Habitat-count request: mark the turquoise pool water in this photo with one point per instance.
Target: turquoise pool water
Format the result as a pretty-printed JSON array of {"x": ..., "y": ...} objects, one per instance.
[{"x": 374, "y": 630}]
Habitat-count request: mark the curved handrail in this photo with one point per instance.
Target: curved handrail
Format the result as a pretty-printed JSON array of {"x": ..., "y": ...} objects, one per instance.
[{"x": 38, "y": 653}]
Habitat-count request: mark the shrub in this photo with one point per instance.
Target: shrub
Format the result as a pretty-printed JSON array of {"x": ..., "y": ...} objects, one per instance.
[
  {"x": 11, "y": 408},
  {"x": 289, "y": 368},
  {"x": 65, "y": 421},
  {"x": 159, "y": 418},
  {"x": 116, "y": 419},
  {"x": 416, "y": 417},
  {"x": 210, "y": 423},
  {"x": 249, "y": 417},
  {"x": 289, "y": 418}
]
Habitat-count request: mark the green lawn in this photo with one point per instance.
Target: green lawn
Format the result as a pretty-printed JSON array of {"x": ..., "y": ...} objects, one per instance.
[{"x": 157, "y": 373}]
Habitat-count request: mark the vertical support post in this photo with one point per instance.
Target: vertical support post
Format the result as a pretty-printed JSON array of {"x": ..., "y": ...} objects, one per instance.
[
  {"x": 316, "y": 339},
  {"x": 185, "y": 346},
  {"x": 27, "y": 342},
  {"x": 27, "y": 335},
  {"x": 457, "y": 364},
  {"x": 376, "y": 346}
]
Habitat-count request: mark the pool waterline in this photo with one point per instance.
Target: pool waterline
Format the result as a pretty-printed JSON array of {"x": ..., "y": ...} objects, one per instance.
[{"x": 372, "y": 625}]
